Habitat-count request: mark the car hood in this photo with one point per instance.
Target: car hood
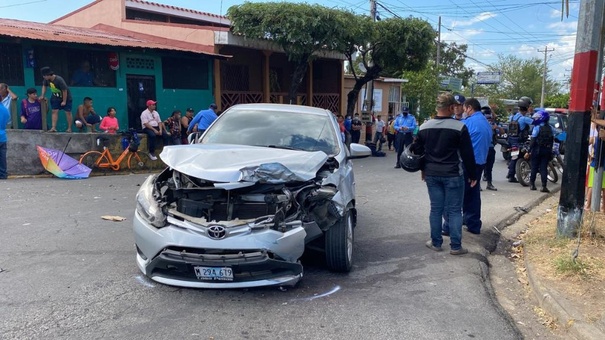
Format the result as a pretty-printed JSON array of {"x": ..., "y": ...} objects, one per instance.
[{"x": 239, "y": 163}]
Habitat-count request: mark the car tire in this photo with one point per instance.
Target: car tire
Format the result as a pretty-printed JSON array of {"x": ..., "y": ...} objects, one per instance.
[{"x": 339, "y": 244}]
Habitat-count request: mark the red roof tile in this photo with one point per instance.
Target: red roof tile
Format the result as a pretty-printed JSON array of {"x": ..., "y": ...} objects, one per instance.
[{"x": 48, "y": 32}]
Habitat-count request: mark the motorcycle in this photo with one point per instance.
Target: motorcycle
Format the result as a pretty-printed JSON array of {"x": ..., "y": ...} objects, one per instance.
[
  {"x": 504, "y": 149},
  {"x": 523, "y": 167},
  {"x": 557, "y": 161}
]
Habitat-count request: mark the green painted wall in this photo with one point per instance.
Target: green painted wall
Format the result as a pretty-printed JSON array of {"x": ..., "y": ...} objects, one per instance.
[{"x": 104, "y": 97}]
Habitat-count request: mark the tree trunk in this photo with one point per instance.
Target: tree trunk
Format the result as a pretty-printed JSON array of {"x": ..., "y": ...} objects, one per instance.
[
  {"x": 300, "y": 69},
  {"x": 371, "y": 74}
]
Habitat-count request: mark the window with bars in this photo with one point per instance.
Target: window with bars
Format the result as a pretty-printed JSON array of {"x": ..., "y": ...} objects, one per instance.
[
  {"x": 79, "y": 68},
  {"x": 11, "y": 67},
  {"x": 184, "y": 73},
  {"x": 235, "y": 77}
]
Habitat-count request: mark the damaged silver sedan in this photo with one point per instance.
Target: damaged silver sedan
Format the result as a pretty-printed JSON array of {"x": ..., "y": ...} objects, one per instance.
[{"x": 239, "y": 207}]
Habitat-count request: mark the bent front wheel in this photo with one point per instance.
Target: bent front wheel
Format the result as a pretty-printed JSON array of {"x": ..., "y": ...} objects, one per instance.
[
  {"x": 138, "y": 161},
  {"x": 95, "y": 160}
]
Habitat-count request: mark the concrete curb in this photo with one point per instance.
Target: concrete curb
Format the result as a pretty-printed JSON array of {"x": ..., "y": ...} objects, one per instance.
[
  {"x": 556, "y": 305},
  {"x": 549, "y": 299}
]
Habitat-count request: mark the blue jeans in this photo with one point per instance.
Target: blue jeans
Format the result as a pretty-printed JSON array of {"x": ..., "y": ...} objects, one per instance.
[
  {"x": 446, "y": 194},
  {"x": 3, "y": 148}
]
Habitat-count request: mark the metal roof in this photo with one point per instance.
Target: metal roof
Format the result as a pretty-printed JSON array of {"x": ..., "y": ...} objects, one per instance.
[
  {"x": 178, "y": 11},
  {"x": 51, "y": 32}
]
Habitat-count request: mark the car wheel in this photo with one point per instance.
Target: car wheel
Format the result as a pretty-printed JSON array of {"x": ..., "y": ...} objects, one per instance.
[{"x": 339, "y": 244}]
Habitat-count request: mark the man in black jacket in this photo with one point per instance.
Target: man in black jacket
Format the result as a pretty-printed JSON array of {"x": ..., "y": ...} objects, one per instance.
[{"x": 445, "y": 142}]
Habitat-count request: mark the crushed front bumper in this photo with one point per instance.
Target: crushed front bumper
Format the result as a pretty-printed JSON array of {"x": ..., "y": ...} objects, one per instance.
[{"x": 169, "y": 255}]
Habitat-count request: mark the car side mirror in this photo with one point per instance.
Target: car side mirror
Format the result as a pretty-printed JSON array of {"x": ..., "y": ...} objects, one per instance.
[{"x": 359, "y": 151}]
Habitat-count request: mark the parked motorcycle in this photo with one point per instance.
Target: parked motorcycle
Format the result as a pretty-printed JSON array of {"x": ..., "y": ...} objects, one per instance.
[
  {"x": 523, "y": 168},
  {"x": 504, "y": 149}
]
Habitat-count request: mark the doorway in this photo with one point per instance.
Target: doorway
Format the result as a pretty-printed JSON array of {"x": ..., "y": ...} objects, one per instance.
[{"x": 139, "y": 89}]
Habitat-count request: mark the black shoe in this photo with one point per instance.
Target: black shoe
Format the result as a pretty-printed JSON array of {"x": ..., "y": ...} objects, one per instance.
[
  {"x": 484, "y": 178},
  {"x": 533, "y": 187},
  {"x": 476, "y": 232},
  {"x": 444, "y": 233},
  {"x": 544, "y": 189},
  {"x": 397, "y": 166},
  {"x": 512, "y": 180},
  {"x": 491, "y": 187}
]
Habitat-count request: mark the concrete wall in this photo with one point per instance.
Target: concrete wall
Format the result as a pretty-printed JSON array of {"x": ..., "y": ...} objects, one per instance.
[{"x": 22, "y": 157}]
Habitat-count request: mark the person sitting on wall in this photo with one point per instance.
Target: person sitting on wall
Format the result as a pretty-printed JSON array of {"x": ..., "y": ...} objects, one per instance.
[
  {"x": 86, "y": 116},
  {"x": 109, "y": 124}
]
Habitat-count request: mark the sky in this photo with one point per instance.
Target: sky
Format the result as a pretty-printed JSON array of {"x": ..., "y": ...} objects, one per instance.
[{"x": 489, "y": 27}]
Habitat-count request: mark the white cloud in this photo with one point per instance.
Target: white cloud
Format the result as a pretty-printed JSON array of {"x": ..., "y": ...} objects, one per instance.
[{"x": 481, "y": 17}]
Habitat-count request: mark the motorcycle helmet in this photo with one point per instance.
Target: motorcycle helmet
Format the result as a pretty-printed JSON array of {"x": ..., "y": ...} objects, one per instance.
[
  {"x": 409, "y": 161},
  {"x": 540, "y": 116},
  {"x": 525, "y": 102}
]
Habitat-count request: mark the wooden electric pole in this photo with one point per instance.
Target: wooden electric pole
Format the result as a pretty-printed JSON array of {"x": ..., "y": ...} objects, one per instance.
[{"x": 546, "y": 50}]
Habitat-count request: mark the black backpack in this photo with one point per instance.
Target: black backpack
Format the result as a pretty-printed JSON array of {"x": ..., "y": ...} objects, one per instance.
[
  {"x": 545, "y": 136},
  {"x": 513, "y": 128}
]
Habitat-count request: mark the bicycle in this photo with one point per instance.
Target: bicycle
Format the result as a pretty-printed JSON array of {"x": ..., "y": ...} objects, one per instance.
[{"x": 104, "y": 160}]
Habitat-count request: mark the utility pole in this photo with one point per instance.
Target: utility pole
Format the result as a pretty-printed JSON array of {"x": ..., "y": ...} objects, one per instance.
[
  {"x": 438, "y": 45},
  {"x": 588, "y": 45},
  {"x": 370, "y": 105},
  {"x": 546, "y": 50}
]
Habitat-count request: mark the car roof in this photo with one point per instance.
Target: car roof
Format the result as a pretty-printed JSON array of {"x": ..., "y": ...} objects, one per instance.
[{"x": 281, "y": 108}]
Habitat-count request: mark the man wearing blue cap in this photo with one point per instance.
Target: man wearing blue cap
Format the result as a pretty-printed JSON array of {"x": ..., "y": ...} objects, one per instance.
[
  {"x": 405, "y": 124},
  {"x": 458, "y": 109}
]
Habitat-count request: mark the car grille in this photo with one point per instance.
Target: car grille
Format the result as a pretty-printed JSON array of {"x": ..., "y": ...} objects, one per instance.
[{"x": 224, "y": 211}]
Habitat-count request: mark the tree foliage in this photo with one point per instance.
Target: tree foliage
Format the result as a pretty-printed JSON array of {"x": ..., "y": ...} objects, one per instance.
[
  {"x": 520, "y": 77},
  {"x": 452, "y": 60},
  {"x": 302, "y": 30},
  {"x": 421, "y": 90},
  {"x": 560, "y": 100},
  {"x": 386, "y": 48}
]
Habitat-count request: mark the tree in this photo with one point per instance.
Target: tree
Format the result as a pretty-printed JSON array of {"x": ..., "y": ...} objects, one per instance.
[
  {"x": 558, "y": 100},
  {"x": 302, "y": 30},
  {"x": 520, "y": 77},
  {"x": 386, "y": 48},
  {"x": 421, "y": 90},
  {"x": 452, "y": 60}
]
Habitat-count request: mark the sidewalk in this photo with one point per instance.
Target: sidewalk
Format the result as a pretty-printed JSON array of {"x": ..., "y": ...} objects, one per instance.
[{"x": 526, "y": 258}]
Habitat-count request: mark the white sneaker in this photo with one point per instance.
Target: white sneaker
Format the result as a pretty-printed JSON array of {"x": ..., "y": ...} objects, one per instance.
[{"x": 152, "y": 157}]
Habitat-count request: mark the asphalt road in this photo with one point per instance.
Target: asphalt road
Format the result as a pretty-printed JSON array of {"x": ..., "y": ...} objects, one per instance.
[{"x": 66, "y": 273}]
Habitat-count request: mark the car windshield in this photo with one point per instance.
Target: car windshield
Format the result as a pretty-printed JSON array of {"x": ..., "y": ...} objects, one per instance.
[{"x": 275, "y": 129}]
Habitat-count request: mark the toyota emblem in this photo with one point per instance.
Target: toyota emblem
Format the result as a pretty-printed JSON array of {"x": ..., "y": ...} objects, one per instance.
[{"x": 217, "y": 232}]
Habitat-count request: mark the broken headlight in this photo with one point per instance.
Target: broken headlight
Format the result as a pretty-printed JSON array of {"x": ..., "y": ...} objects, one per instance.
[{"x": 147, "y": 206}]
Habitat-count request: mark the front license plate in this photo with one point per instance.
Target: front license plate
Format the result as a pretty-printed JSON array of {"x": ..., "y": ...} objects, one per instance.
[{"x": 214, "y": 273}]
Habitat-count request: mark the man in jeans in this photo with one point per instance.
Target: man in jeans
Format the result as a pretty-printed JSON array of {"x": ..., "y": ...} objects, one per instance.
[
  {"x": 4, "y": 119},
  {"x": 444, "y": 142},
  {"x": 153, "y": 127}
]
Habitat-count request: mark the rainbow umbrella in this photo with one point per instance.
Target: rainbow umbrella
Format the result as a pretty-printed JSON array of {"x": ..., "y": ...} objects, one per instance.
[{"x": 61, "y": 165}]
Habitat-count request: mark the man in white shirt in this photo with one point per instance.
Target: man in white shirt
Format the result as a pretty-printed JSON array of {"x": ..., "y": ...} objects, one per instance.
[
  {"x": 153, "y": 127},
  {"x": 378, "y": 135}
]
